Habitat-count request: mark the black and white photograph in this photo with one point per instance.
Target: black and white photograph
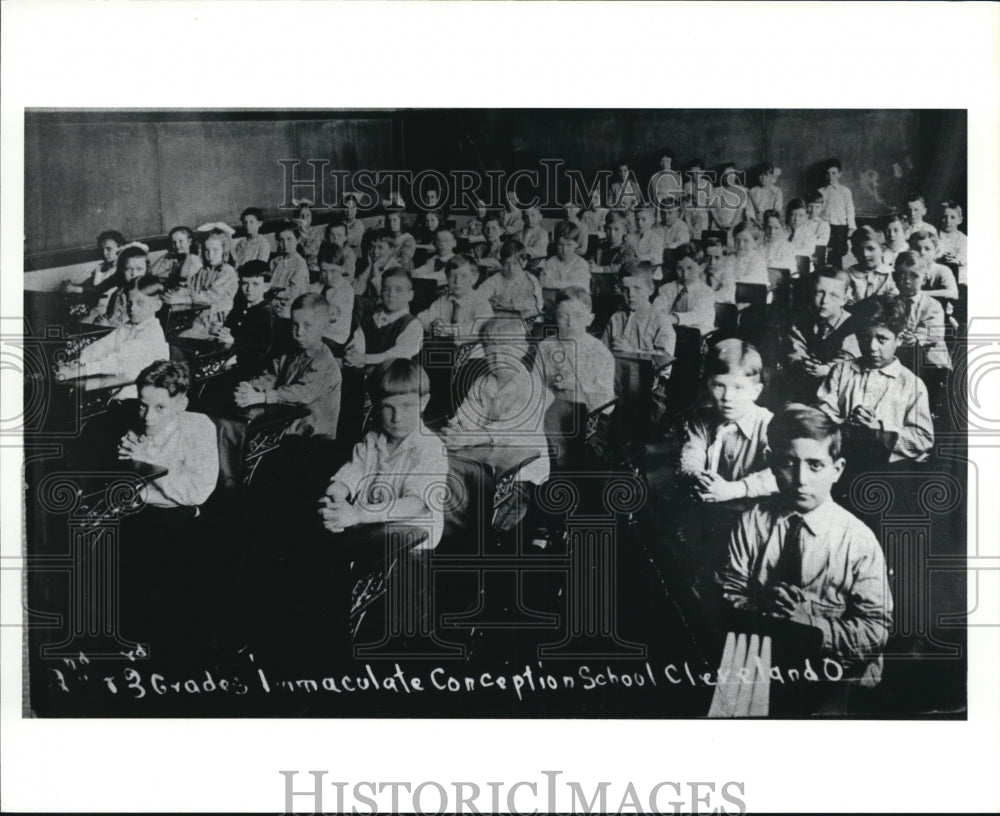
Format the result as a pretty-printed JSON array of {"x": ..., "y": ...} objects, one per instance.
[
  {"x": 505, "y": 413},
  {"x": 590, "y": 403}
]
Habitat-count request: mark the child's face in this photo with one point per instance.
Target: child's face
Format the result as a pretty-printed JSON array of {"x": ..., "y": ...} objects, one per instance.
[
  {"x": 595, "y": 199},
  {"x": 713, "y": 257},
  {"x": 670, "y": 216},
  {"x": 351, "y": 209},
  {"x": 797, "y": 218},
  {"x": 211, "y": 253},
  {"x": 623, "y": 172},
  {"x": 533, "y": 217},
  {"x": 157, "y": 408},
  {"x": 135, "y": 268},
  {"x": 304, "y": 217},
  {"x": 109, "y": 251},
  {"x": 480, "y": 210},
  {"x": 140, "y": 307},
  {"x": 950, "y": 219},
  {"x": 308, "y": 326},
  {"x": 396, "y": 293},
  {"x": 616, "y": 232},
  {"x": 644, "y": 220},
  {"x": 909, "y": 280},
  {"x": 286, "y": 242},
  {"x": 432, "y": 221},
  {"x": 729, "y": 176},
  {"x": 331, "y": 274},
  {"x": 878, "y": 346},
  {"x": 503, "y": 352},
  {"x": 395, "y": 222},
  {"x": 688, "y": 270},
  {"x": 572, "y": 318},
  {"x": 772, "y": 228},
  {"x": 462, "y": 280},
  {"x": 565, "y": 248},
  {"x": 766, "y": 179},
  {"x": 917, "y": 211},
  {"x": 666, "y": 163},
  {"x": 805, "y": 472},
  {"x": 180, "y": 243},
  {"x": 432, "y": 198},
  {"x": 251, "y": 224},
  {"x": 829, "y": 298},
  {"x": 868, "y": 254},
  {"x": 637, "y": 294},
  {"x": 572, "y": 212},
  {"x": 926, "y": 249},
  {"x": 338, "y": 235},
  {"x": 832, "y": 175},
  {"x": 895, "y": 234},
  {"x": 492, "y": 231},
  {"x": 745, "y": 242},
  {"x": 733, "y": 394},
  {"x": 382, "y": 248},
  {"x": 814, "y": 208},
  {"x": 253, "y": 289},
  {"x": 282, "y": 305},
  {"x": 512, "y": 266},
  {"x": 400, "y": 414},
  {"x": 444, "y": 243}
]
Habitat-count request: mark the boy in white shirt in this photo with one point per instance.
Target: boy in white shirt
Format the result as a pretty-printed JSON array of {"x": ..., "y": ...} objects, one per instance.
[
  {"x": 566, "y": 267},
  {"x": 953, "y": 244},
  {"x": 839, "y": 210}
]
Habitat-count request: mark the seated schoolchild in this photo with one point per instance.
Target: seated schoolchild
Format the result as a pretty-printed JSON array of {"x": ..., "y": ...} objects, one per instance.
[
  {"x": 688, "y": 301},
  {"x": 214, "y": 285},
  {"x": 132, "y": 263},
  {"x": 97, "y": 287},
  {"x": 825, "y": 336},
  {"x": 801, "y": 557},
  {"x": 572, "y": 211},
  {"x": 179, "y": 263},
  {"x": 289, "y": 270},
  {"x": 250, "y": 325},
  {"x": 355, "y": 226},
  {"x": 925, "y": 319},
  {"x": 459, "y": 314},
  {"x": 487, "y": 251},
  {"x": 778, "y": 252},
  {"x": 254, "y": 247},
  {"x": 953, "y": 244},
  {"x": 391, "y": 330},
  {"x": 724, "y": 455},
  {"x": 648, "y": 240},
  {"x": 719, "y": 273},
  {"x": 869, "y": 276},
  {"x": 916, "y": 209},
  {"x": 444, "y": 251},
  {"x": 613, "y": 251},
  {"x": 308, "y": 376},
  {"x": 575, "y": 365},
  {"x": 334, "y": 238},
  {"x": 675, "y": 230},
  {"x": 513, "y": 289},
  {"x": 566, "y": 267},
  {"x": 939, "y": 280},
  {"x": 128, "y": 349},
  {"x": 393, "y": 470},
  {"x": 876, "y": 391},
  {"x": 749, "y": 265},
  {"x": 639, "y": 327},
  {"x": 534, "y": 236}
]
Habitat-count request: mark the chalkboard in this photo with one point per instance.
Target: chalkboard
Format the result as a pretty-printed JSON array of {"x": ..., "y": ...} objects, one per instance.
[{"x": 142, "y": 177}]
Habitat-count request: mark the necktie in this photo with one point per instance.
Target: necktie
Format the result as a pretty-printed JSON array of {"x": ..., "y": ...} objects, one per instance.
[
  {"x": 788, "y": 568},
  {"x": 824, "y": 330},
  {"x": 681, "y": 301},
  {"x": 454, "y": 311},
  {"x": 715, "y": 449},
  {"x": 439, "y": 264}
]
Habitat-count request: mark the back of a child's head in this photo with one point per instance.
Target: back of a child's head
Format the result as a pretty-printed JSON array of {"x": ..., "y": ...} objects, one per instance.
[
  {"x": 149, "y": 285},
  {"x": 397, "y": 376},
  {"x": 575, "y": 294},
  {"x": 255, "y": 269},
  {"x": 797, "y": 421},
  {"x": 567, "y": 230},
  {"x": 172, "y": 376},
  {"x": 733, "y": 356},
  {"x": 111, "y": 235},
  {"x": 865, "y": 234},
  {"x": 881, "y": 311}
]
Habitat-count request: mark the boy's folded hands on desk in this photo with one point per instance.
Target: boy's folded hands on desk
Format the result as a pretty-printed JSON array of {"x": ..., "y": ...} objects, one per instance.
[{"x": 336, "y": 512}]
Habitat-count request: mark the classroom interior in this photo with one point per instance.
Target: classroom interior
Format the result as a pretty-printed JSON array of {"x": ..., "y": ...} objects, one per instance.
[{"x": 610, "y": 586}]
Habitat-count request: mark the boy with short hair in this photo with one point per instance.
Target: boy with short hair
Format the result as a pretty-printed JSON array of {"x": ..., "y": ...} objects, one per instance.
[
  {"x": 817, "y": 225},
  {"x": 725, "y": 444},
  {"x": 355, "y": 227},
  {"x": 254, "y": 247},
  {"x": 250, "y": 325},
  {"x": 939, "y": 281},
  {"x": 393, "y": 470},
  {"x": 576, "y": 366},
  {"x": 309, "y": 376},
  {"x": 648, "y": 241},
  {"x": 925, "y": 320},
  {"x": 127, "y": 350},
  {"x": 614, "y": 250},
  {"x": 916, "y": 209},
  {"x": 639, "y": 327},
  {"x": 566, "y": 267},
  {"x": 534, "y": 237},
  {"x": 444, "y": 251},
  {"x": 869, "y": 276},
  {"x": 458, "y": 314},
  {"x": 675, "y": 231},
  {"x": 876, "y": 391},
  {"x": 953, "y": 244},
  {"x": 688, "y": 301},
  {"x": 839, "y": 210},
  {"x": 391, "y": 331},
  {"x": 487, "y": 252},
  {"x": 513, "y": 288},
  {"x": 800, "y": 557},
  {"x": 825, "y": 336},
  {"x": 719, "y": 272},
  {"x": 183, "y": 442}
]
